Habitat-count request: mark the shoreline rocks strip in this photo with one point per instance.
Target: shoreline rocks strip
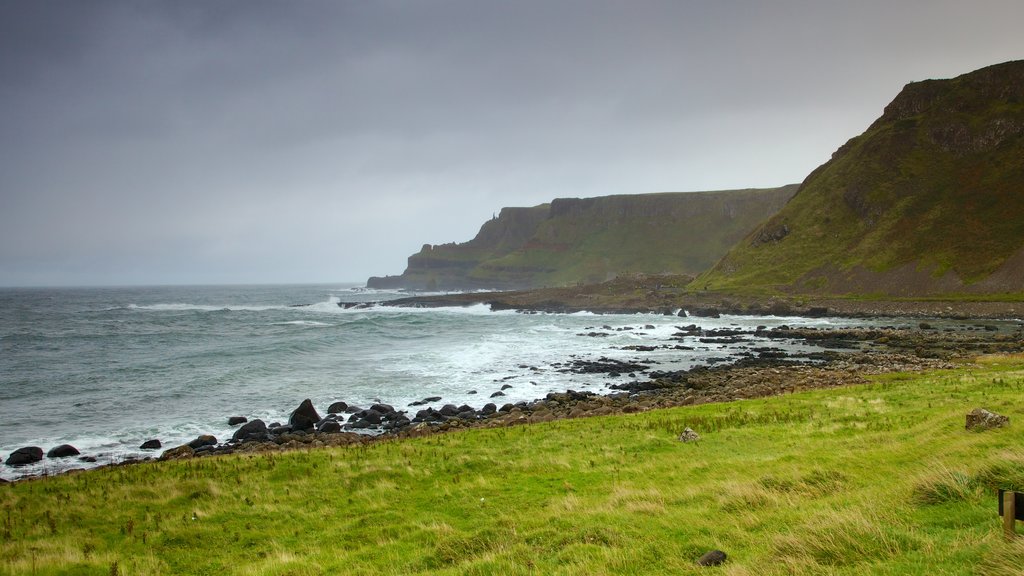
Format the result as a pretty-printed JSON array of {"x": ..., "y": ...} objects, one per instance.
[{"x": 871, "y": 351}]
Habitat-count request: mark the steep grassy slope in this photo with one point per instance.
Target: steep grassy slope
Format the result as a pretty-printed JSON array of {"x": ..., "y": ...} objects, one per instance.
[
  {"x": 929, "y": 200},
  {"x": 576, "y": 240},
  {"x": 873, "y": 479}
]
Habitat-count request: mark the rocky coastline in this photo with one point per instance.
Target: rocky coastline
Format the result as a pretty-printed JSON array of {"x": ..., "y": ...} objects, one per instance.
[{"x": 848, "y": 356}]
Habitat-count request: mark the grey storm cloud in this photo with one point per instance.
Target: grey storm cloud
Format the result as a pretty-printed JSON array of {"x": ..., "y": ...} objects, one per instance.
[{"x": 252, "y": 141}]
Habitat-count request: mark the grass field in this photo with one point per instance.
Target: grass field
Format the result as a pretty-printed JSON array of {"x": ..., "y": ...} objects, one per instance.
[{"x": 873, "y": 479}]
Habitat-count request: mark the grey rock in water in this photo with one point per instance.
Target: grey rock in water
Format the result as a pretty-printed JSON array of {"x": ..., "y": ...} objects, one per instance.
[
  {"x": 62, "y": 451},
  {"x": 24, "y": 456},
  {"x": 712, "y": 558},
  {"x": 236, "y": 420},
  {"x": 981, "y": 419},
  {"x": 153, "y": 444},
  {"x": 689, "y": 435},
  {"x": 337, "y": 408}
]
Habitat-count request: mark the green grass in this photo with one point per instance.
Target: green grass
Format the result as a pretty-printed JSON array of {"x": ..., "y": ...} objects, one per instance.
[{"x": 874, "y": 479}]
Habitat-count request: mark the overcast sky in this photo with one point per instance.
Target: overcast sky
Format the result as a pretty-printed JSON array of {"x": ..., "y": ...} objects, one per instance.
[{"x": 246, "y": 141}]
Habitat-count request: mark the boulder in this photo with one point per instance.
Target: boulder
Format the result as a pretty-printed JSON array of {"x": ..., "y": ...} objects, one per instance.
[
  {"x": 24, "y": 456},
  {"x": 489, "y": 409},
  {"x": 497, "y": 394},
  {"x": 153, "y": 444},
  {"x": 383, "y": 408},
  {"x": 62, "y": 451},
  {"x": 981, "y": 419},
  {"x": 304, "y": 417},
  {"x": 337, "y": 408},
  {"x": 178, "y": 453},
  {"x": 236, "y": 420},
  {"x": 203, "y": 440},
  {"x": 689, "y": 435},
  {"x": 449, "y": 410},
  {"x": 329, "y": 427},
  {"x": 712, "y": 558},
  {"x": 255, "y": 430}
]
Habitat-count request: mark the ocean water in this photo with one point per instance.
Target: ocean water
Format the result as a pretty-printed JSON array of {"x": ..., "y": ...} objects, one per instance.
[{"x": 105, "y": 369}]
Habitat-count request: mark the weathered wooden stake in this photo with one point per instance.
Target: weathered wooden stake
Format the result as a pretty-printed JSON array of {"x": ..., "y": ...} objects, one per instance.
[{"x": 1009, "y": 515}]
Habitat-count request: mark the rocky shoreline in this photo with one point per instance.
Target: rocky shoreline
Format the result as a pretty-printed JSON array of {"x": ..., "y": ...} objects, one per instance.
[
  {"x": 668, "y": 295},
  {"x": 848, "y": 355}
]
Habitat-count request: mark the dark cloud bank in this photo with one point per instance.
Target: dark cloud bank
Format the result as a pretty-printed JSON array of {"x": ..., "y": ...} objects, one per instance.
[{"x": 247, "y": 141}]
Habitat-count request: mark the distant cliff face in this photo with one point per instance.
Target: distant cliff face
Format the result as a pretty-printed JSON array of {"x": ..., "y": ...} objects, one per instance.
[
  {"x": 573, "y": 240},
  {"x": 929, "y": 200}
]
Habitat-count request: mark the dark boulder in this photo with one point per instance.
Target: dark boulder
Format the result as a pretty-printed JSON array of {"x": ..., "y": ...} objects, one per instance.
[
  {"x": 467, "y": 415},
  {"x": 62, "y": 451},
  {"x": 489, "y": 409},
  {"x": 204, "y": 440},
  {"x": 236, "y": 420},
  {"x": 329, "y": 427},
  {"x": 153, "y": 444},
  {"x": 712, "y": 558},
  {"x": 449, "y": 410},
  {"x": 26, "y": 455},
  {"x": 337, "y": 408},
  {"x": 255, "y": 430},
  {"x": 304, "y": 417},
  {"x": 383, "y": 408},
  {"x": 497, "y": 394}
]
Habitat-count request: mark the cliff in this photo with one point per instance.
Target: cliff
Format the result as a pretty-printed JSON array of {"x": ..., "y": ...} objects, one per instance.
[
  {"x": 574, "y": 240},
  {"x": 928, "y": 201}
]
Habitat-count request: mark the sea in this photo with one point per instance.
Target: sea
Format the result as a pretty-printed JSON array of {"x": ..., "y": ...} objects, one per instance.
[{"x": 105, "y": 369}]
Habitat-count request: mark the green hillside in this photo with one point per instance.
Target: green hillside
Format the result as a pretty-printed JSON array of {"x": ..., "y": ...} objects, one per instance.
[
  {"x": 573, "y": 240},
  {"x": 928, "y": 201}
]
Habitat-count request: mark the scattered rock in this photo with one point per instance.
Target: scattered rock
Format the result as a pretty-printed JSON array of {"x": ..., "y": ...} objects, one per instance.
[
  {"x": 981, "y": 419},
  {"x": 689, "y": 435},
  {"x": 337, "y": 408},
  {"x": 62, "y": 451},
  {"x": 153, "y": 444},
  {"x": 329, "y": 427},
  {"x": 255, "y": 430},
  {"x": 24, "y": 456},
  {"x": 236, "y": 420},
  {"x": 497, "y": 394},
  {"x": 304, "y": 417},
  {"x": 712, "y": 558},
  {"x": 178, "y": 453},
  {"x": 203, "y": 440}
]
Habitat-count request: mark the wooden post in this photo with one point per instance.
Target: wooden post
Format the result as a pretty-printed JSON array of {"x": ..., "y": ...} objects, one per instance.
[{"x": 1009, "y": 514}]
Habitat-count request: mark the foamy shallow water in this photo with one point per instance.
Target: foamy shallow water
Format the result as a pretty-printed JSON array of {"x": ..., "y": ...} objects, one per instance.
[{"x": 106, "y": 369}]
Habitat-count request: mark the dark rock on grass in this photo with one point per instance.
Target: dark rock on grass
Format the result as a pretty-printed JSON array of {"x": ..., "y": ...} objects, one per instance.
[
  {"x": 337, "y": 408},
  {"x": 255, "y": 430},
  {"x": 305, "y": 416},
  {"x": 236, "y": 420},
  {"x": 24, "y": 456},
  {"x": 62, "y": 451},
  {"x": 184, "y": 451},
  {"x": 712, "y": 558},
  {"x": 981, "y": 419},
  {"x": 204, "y": 440},
  {"x": 153, "y": 444}
]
